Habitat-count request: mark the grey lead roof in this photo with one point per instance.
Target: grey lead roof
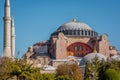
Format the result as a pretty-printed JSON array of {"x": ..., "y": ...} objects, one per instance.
[
  {"x": 91, "y": 56},
  {"x": 74, "y": 26}
]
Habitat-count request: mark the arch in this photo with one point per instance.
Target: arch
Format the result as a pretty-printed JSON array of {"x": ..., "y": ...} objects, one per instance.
[{"x": 78, "y": 49}]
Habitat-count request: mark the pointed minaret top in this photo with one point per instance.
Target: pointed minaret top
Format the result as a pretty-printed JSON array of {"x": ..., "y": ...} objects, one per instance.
[
  {"x": 74, "y": 19},
  {"x": 12, "y": 22},
  {"x": 7, "y": 2}
]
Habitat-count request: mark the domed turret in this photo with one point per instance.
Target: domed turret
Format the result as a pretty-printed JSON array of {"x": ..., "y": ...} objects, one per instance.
[
  {"x": 91, "y": 56},
  {"x": 76, "y": 28},
  {"x": 116, "y": 57}
]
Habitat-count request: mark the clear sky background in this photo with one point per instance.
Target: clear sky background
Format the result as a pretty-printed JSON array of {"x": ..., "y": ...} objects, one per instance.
[{"x": 35, "y": 20}]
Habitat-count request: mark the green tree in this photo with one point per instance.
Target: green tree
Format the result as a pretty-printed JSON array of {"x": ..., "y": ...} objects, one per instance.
[
  {"x": 65, "y": 77},
  {"x": 48, "y": 76},
  {"x": 117, "y": 64},
  {"x": 92, "y": 69},
  {"x": 37, "y": 74},
  {"x": 5, "y": 68},
  {"x": 22, "y": 70},
  {"x": 19, "y": 68},
  {"x": 111, "y": 74},
  {"x": 96, "y": 69},
  {"x": 108, "y": 64}
]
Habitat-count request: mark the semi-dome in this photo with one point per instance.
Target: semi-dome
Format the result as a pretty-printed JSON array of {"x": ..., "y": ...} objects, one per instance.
[
  {"x": 91, "y": 56},
  {"x": 76, "y": 28}
]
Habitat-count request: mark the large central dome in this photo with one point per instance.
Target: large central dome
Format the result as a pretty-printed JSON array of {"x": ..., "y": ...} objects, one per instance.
[{"x": 75, "y": 28}]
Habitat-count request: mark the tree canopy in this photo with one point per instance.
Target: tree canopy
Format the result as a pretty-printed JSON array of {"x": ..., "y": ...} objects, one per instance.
[{"x": 71, "y": 70}]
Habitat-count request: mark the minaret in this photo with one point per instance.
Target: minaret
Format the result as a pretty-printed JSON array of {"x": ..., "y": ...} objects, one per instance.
[
  {"x": 12, "y": 38},
  {"x": 7, "y": 30}
]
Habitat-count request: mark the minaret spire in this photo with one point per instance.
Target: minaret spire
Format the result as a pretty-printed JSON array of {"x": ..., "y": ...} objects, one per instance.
[
  {"x": 12, "y": 37},
  {"x": 7, "y": 8},
  {"x": 7, "y": 30},
  {"x": 12, "y": 22}
]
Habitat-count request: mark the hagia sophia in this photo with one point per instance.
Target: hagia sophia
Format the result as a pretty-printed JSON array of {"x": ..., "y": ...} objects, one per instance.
[
  {"x": 72, "y": 38},
  {"x": 72, "y": 41}
]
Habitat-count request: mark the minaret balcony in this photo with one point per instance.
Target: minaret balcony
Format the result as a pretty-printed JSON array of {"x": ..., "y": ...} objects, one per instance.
[{"x": 7, "y": 18}]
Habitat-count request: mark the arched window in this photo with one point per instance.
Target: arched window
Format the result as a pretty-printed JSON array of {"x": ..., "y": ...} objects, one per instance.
[
  {"x": 70, "y": 32},
  {"x": 66, "y": 32},
  {"x": 75, "y": 48},
  {"x": 78, "y": 32},
  {"x": 89, "y": 33},
  {"x": 74, "y": 32},
  {"x": 82, "y": 32},
  {"x": 86, "y": 33},
  {"x": 79, "y": 49}
]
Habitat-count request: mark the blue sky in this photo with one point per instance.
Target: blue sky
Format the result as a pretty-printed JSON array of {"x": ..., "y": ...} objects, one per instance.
[{"x": 35, "y": 20}]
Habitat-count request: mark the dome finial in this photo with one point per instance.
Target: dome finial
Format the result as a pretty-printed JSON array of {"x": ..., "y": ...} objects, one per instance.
[{"x": 74, "y": 19}]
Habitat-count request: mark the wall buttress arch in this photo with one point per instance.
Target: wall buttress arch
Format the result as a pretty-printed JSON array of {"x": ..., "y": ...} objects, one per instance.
[{"x": 79, "y": 49}]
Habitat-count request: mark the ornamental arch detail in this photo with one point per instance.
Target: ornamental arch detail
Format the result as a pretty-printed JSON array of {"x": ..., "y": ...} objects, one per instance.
[{"x": 78, "y": 49}]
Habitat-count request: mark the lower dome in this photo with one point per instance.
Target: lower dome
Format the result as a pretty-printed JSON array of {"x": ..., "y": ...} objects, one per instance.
[
  {"x": 116, "y": 57},
  {"x": 91, "y": 56}
]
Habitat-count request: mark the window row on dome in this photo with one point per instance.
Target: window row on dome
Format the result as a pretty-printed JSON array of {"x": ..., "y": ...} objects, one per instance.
[{"x": 80, "y": 33}]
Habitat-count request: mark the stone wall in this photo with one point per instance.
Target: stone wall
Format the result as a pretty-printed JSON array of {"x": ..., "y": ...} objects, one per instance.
[
  {"x": 61, "y": 51},
  {"x": 59, "y": 44},
  {"x": 104, "y": 45}
]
